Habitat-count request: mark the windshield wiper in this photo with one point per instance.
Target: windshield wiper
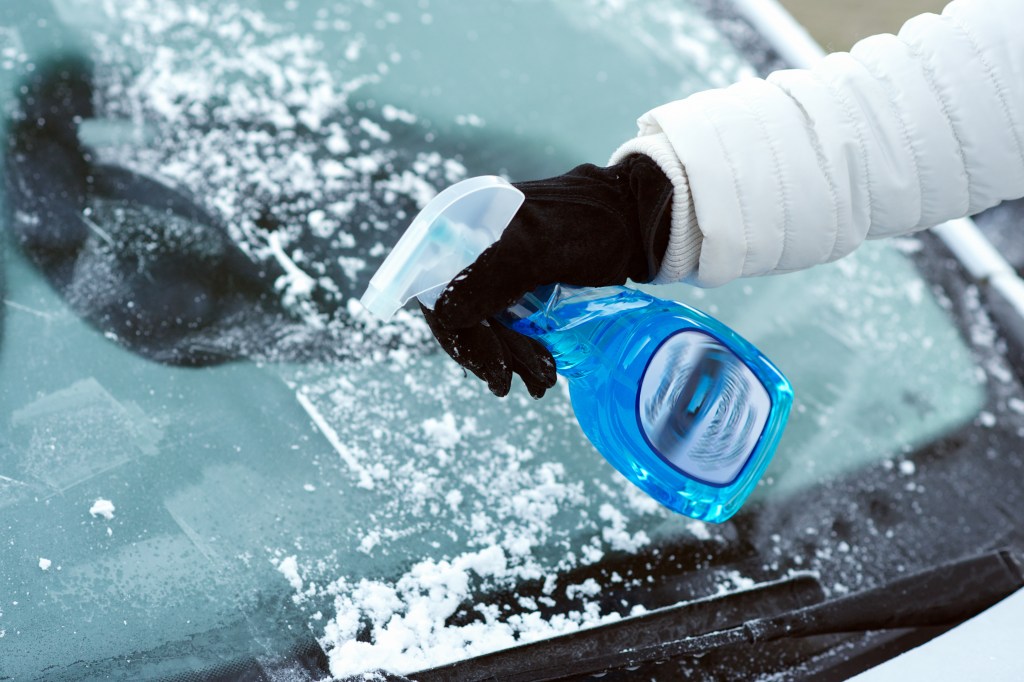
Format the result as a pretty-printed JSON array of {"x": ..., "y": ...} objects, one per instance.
[{"x": 941, "y": 596}]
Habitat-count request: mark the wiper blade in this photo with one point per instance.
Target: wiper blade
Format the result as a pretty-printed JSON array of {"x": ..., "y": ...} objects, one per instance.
[
  {"x": 941, "y": 596},
  {"x": 588, "y": 650},
  {"x": 944, "y": 595}
]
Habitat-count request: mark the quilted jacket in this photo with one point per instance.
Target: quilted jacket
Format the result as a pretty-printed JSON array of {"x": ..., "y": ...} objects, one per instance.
[{"x": 901, "y": 133}]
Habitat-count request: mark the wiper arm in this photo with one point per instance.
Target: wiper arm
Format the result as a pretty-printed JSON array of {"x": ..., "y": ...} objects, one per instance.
[
  {"x": 939, "y": 596},
  {"x": 944, "y": 595}
]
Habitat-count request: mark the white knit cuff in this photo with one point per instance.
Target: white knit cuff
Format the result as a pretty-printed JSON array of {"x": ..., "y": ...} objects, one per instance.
[{"x": 682, "y": 256}]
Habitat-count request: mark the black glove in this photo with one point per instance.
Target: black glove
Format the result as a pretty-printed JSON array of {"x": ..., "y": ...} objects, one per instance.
[{"x": 590, "y": 227}]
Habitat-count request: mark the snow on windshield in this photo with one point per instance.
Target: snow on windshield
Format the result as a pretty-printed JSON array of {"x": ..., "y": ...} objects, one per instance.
[
  {"x": 259, "y": 128},
  {"x": 251, "y": 118}
]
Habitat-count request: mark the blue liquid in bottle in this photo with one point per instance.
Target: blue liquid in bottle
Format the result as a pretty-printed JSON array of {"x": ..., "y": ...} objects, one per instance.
[{"x": 680, "y": 404}]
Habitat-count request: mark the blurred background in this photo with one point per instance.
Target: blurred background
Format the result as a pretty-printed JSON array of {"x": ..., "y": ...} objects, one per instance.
[{"x": 838, "y": 24}]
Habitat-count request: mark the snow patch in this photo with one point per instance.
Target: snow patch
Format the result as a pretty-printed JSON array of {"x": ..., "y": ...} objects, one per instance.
[
  {"x": 588, "y": 588},
  {"x": 102, "y": 507},
  {"x": 615, "y": 533},
  {"x": 369, "y": 541},
  {"x": 406, "y": 622},
  {"x": 289, "y": 568},
  {"x": 453, "y": 499},
  {"x": 442, "y": 432},
  {"x": 391, "y": 113}
]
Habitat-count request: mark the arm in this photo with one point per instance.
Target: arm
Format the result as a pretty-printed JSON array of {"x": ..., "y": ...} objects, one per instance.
[
  {"x": 764, "y": 177},
  {"x": 902, "y": 133}
]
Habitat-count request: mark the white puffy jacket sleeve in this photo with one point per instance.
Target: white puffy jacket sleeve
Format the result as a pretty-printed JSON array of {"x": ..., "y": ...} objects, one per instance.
[{"x": 901, "y": 133}]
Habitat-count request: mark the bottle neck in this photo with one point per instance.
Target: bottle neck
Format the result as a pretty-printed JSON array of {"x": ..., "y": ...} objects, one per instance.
[
  {"x": 545, "y": 314},
  {"x": 538, "y": 300}
]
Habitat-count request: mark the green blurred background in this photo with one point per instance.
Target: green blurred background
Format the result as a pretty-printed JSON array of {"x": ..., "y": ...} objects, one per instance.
[{"x": 838, "y": 24}]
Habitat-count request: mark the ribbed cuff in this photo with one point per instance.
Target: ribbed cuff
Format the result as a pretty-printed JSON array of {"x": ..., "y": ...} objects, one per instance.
[{"x": 682, "y": 256}]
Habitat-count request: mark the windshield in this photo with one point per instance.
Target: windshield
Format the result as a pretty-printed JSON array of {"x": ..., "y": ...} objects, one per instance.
[{"x": 210, "y": 452}]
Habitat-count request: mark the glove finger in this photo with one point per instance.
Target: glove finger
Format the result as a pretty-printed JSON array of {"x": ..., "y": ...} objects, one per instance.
[
  {"x": 529, "y": 359},
  {"x": 477, "y": 349},
  {"x": 498, "y": 278}
]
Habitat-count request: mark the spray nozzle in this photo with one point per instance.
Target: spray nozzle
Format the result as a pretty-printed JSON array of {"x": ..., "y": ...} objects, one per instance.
[{"x": 448, "y": 234}]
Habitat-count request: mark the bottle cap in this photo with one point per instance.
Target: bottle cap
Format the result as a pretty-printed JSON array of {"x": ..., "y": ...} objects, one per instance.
[{"x": 448, "y": 234}]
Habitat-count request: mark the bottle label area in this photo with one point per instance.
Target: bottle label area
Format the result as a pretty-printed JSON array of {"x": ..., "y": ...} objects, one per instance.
[{"x": 701, "y": 408}]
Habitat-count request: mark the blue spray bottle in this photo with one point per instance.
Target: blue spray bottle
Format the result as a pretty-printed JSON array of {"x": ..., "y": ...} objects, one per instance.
[{"x": 680, "y": 404}]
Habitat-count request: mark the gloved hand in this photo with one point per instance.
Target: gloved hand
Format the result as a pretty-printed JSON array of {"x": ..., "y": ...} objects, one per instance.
[{"x": 590, "y": 227}]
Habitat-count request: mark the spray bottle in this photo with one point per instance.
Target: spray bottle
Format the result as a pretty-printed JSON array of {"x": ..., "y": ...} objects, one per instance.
[{"x": 680, "y": 404}]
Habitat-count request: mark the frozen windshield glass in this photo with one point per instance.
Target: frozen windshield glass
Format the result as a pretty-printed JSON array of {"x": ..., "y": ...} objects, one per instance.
[{"x": 193, "y": 182}]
